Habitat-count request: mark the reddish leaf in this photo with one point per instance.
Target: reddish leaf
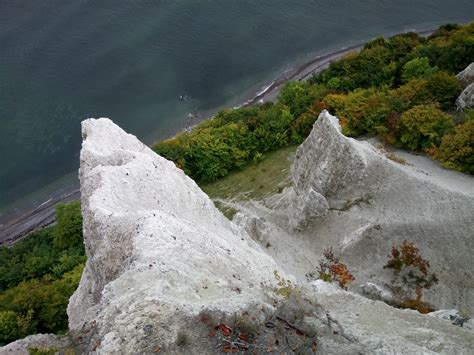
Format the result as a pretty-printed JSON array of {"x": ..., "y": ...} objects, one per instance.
[
  {"x": 157, "y": 349},
  {"x": 244, "y": 336},
  {"x": 225, "y": 330},
  {"x": 230, "y": 349},
  {"x": 212, "y": 334}
]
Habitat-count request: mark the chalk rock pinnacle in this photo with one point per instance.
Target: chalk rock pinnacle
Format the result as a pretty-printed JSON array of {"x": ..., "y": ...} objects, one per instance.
[
  {"x": 158, "y": 250},
  {"x": 348, "y": 194}
]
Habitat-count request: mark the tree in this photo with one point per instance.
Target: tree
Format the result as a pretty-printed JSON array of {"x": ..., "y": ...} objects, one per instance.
[
  {"x": 457, "y": 148},
  {"x": 417, "y": 68},
  {"x": 360, "y": 111},
  {"x": 68, "y": 230},
  {"x": 444, "y": 88},
  {"x": 413, "y": 93},
  {"x": 9, "y": 330},
  {"x": 422, "y": 127},
  {"x": 40, "y": 305},
  {"x": 298, "y": 96}
]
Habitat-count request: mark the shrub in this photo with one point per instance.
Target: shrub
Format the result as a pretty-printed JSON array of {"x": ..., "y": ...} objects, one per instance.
[
  {"x": 54, "y": 250},
  {"x": 361, "y": 110},
  {"x": 411, "y": 275},
  {"x": 12, "y": 327},
  {"x": 229, "y": 141},
  {"x": 422, "y": 127},
  {"x": 388, "y": 132},
  {"x": 46, "y": 300},
  {"x": 331, "y": 269},
  {"x": 457, "y": 148},
  {"x": 371, "y": 67},
  {"x": 285, "y": 287},
  {"x": 38, "y": 275},
  {"x": 417, "y": 68},
  {"x": 298, "y": 96},
  {"x": 413, "y": 93},
  {"x": 444, "y": 88}
]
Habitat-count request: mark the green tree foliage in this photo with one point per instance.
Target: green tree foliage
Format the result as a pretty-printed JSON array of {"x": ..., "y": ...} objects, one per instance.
[
  {"x": 417, "y": 68},
  {"x": 53, "y": 250},
  {"x": 38, "y": 275},
  {"x": 298, "y": 96},
  {"x": 451, "y": 48},
  {"x": 229, "y": 141},
  {"x": 445, "y": 30},
  {"x": 302, "y": 126},
  {"x": 423, "y": 126},
  {"x": 379, "y": 63},
  {"x": 360, "y": 111},
  {"x": 68, "y": 230},
  {"x": 444, "y": 88},
  {"x": 371, "y": 67},
  {"x": 13, "y": 326},
  {"x": 369, "y": 91},
  {"x": 457, "y": 148},
  {"x": 37, "y": 306},
  {"x": 402, "y": 44}
]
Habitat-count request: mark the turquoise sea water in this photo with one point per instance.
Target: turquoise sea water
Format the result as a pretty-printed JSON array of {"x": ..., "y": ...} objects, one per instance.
[{"x": 65, "y": 60}]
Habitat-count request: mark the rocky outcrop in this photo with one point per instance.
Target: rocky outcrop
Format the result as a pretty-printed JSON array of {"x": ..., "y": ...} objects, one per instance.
[
  {"x": 347, "y": 194},
  {"x": 47, "y": 343},
  {"x": 327, "y": 166},
  {"x": 163, "y": 261},
  {"x": 158, "y": 250},
  {"x": 466, "y": 98},
  {"x": 466, "y": 77},
  {"x": 375, "y": 327}
]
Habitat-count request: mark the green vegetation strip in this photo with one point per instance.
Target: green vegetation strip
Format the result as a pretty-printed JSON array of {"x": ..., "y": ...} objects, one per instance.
[
  {"x": 402, "y": 89},
  {"x": 39, "y": 274}
]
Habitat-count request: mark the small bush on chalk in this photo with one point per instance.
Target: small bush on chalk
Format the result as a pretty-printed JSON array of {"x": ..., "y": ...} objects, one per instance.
[
  {"x": 331, "y": 269},
  {"x": 411, "y": 276}
]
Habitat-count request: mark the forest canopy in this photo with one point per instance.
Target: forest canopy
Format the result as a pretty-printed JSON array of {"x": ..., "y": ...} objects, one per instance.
[{"x": 389, "y": 89}]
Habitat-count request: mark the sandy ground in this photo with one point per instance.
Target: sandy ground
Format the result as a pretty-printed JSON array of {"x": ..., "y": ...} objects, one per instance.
[{"x": 14, "y": 227}]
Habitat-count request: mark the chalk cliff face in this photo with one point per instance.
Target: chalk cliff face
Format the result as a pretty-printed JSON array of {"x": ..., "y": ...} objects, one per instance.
[
  {"x": 158, "y": 250},
  {"x": 466, "y": 79},
  {"x": 466, "y": 98},
  {"x": 347, "y": 194}
]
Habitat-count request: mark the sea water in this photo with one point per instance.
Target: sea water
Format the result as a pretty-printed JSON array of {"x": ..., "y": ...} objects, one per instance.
[{"x": 65, "y": 60}]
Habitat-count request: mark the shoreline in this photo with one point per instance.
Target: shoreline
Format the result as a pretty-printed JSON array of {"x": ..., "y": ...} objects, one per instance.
[{"x": 16, "y": 226}]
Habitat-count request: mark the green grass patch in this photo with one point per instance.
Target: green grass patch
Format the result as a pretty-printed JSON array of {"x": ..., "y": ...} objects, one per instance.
[{"x": 255, "y": 181}]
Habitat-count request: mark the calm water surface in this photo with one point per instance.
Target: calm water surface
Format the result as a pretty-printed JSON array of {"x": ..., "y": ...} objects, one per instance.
[{"x": 65, "y": 60}]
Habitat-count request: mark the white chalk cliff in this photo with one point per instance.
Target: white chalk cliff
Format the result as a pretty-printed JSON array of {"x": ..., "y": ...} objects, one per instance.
[
  {"x": 159, "y": 252},
  {"x": 466, "y": 79},
  {"x": 349, "y": 195}
]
